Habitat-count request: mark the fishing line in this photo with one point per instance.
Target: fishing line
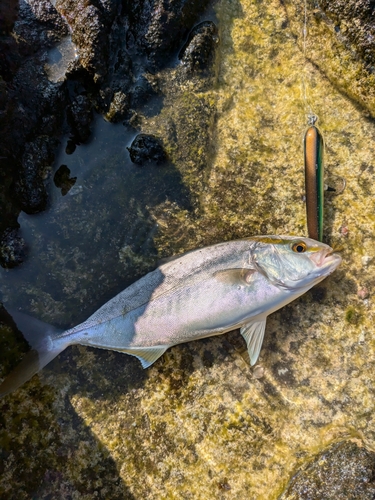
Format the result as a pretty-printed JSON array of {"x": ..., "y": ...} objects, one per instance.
[{"x": 311, "y": 116}]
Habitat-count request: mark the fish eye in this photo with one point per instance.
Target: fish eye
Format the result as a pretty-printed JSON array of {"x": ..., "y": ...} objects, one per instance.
[{"x": 299, "y": 247}]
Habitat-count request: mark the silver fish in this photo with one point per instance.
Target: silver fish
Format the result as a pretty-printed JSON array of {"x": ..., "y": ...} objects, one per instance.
[{"x": 204, "y": 292}]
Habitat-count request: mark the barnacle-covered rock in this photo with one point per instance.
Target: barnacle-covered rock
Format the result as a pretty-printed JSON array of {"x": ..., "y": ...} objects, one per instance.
[
  {"x": 343, "y": 471},
  {"x": 146, "y": 148},
  {"x": 12, "y": 248},
  {"x": 199, "y": 50}
]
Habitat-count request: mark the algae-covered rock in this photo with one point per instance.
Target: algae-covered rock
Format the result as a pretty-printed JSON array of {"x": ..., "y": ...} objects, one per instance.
[
  {"x": 343, "y": 472},
  {"x": 201, "y": 423},
  {"x": 339, "y": 41}
]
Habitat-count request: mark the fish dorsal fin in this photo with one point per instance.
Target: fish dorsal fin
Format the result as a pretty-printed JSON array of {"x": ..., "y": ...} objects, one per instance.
[
  {"x": 253, "y": 333},
  {"x": 146, "y": 355},
  {"x": 235, "y": 276}
]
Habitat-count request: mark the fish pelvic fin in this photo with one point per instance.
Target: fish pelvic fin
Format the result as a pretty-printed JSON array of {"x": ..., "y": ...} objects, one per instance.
[
  {"x": 40, "y": 336},
  {"x": 253, "y": 333}
]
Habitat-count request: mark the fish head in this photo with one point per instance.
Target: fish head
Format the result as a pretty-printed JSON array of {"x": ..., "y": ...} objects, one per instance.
[{"x": 293, "y": 263}]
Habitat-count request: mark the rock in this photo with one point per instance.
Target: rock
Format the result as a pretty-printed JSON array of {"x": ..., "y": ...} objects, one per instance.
[
  {"x": 30, "y": 187},
  {"x": 146, "y": 149},
  {"x": 38, "y": 26},
  {"x": 89, "y": 26},
  {"x": 118, "y": 108},
  {"x": 63, "y": 180},
  {"x": 12, "y": 248},
  {"x": 160, "y": 27},
  {"x": 8, "y": 15},
  {"x": 198, "y": 52},
  {"x": 353, "y": 20},
  {"x": 345, "y": 30},
  {"x": 79, "y": 116},
  {"x": 143, "y": 90},
  {"x": 343, "y": 472}
]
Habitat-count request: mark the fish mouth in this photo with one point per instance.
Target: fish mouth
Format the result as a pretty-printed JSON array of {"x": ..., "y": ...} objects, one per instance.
[{"x": 327, "y": 260}]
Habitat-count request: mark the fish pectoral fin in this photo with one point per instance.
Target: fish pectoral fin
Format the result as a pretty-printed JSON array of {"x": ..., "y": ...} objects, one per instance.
[
  {"x": 235, "y": 276},
  {"x": 253, "y": 333},
  {"x": 146, "y": 355}
]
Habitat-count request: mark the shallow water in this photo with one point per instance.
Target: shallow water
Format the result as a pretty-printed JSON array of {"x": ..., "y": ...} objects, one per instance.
[{"x": 198, "y": 423}]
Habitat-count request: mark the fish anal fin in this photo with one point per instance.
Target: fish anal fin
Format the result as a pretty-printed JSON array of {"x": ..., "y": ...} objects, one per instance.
[
  {"x": 146, "y": 355},
  {"x": 253, "y": 333}
]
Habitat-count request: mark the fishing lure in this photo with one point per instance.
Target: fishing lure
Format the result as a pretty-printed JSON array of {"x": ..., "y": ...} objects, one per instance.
[{"x": 314, "y": 183}]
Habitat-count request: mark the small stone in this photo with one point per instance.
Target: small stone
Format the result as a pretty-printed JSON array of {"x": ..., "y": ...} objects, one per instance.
[
  {"x": 363, "y": 293},
  {"x": 258, "y": 372},
  {"x": 344, "y": 231},
  {"x": 146, "y": 149}
]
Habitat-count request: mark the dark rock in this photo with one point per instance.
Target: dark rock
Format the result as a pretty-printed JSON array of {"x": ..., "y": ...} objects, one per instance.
[
  {"x": 38, "y": 26},
  {"x": 30, "y": 187},
  {"x": 161, "y": 26},
  {"x": 89, "y": 26},
  {"x": 35, "y": 107},
  {"x": 70, "y": 147},
  {"x": 63, "y": 180},
  {"x": 199, "y": 51},
  {"x": 8, "y": 15},
  {"x": 79, "y": 116},
  {"x": 142, "y": 92},
  {"x": 146, "y": 149},
  {"x": 342, "y": 472},
  {"x": 12, "y": 248}
]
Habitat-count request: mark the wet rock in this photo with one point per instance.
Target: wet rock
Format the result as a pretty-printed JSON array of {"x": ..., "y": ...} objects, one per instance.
[
  {"x": 79, "y": 116},
  {"x": 162, "y": 26},
  {"x": 30, "y": 187},
  {"x": 63, "y": 180},
  {"x": 146, "y": 149},
  {"x": 12, "y": 248},
  {"x": 8, "y": 15},
  {"x": 38, "y": 26},
  {"x": 198, "y": 52},
  {"x": 118, "y": 108},
  {"x": 39, "y": 109},
  {"x": 89, "y": 26},
  {"x": 143, "y": 90},
  {"x": 343, "y": 472}
]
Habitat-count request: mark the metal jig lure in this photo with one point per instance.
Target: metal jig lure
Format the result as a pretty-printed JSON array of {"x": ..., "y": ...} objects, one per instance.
[{"x": 314, "y": 179}]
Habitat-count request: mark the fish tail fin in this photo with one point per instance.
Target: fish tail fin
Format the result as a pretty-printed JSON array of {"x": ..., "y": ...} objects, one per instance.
[{"x": 41, "y": 337}]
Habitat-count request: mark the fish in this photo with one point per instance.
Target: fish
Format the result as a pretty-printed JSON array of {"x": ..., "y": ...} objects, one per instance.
[
  {"x": 205, "y": 292},
  {"x": 314, "y": 181}
]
